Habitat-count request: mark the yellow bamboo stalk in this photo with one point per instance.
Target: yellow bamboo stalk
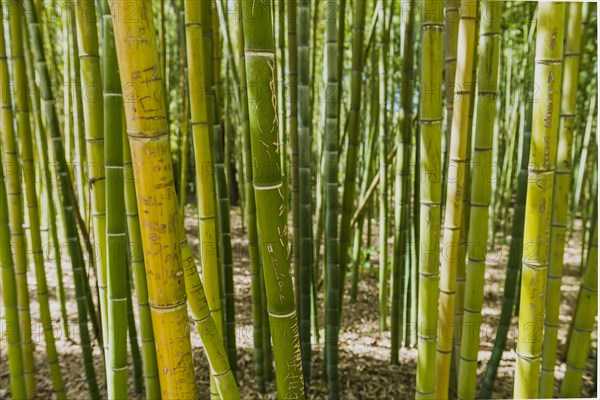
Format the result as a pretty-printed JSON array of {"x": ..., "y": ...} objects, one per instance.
[
  {"x": 455, "y": 192},
  {"x": 148, "y": 132},
  {"x": 538, "y": 206}
]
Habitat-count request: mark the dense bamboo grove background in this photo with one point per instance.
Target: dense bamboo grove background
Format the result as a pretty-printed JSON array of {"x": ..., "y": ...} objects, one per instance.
[{"x": 303, "y": 198}]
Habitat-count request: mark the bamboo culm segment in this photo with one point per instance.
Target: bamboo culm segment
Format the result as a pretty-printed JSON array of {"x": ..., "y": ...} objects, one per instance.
[
  {"x": 430, "y": 148},
  {"x": 538, "y": 210},
  {"x": 270, "y": 205},
  {"x": 64, "y": 183},
  {"x": 147, "y": 129},
  {"x": 480, "y": 198},
  {"x": 560, "y": 197}
]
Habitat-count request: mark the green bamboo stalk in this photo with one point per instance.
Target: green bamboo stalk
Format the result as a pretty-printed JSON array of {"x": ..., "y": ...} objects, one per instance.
[
  {"x": 383, "y": 165},
  {"x": 272, "y": 227},
  {"x": 136, "y": 358},
  {"x": 480, "y": 197},
  {"x": 353, "y": 131},
  {"x": 204, "y": 122},
  {"x": 305, "y": 183},
  {"x": 583, "y": 326},
  {"x": 21, "y": 103},
  {"x": 402, "y": 183},
  {"x": 451, "y": 21},
  {"x": 330, "y": 173},
  {"x": 12, "y": 173},
  {"x": 257, "y": 292},
  {"x": 466, "y": 214},
  {"x": 224, "y": 251},
  {"x": 10, "y": 297},
  {"x": 356, "y": 256},
  {"x": 560, "y": 203},
  {"x": 78, "y": 123},
  {"x": 93, "y": 118},
  {"x": 46, "y": 172},
  {"x": 292, "y": 16},
  {"x": 431, "y": 117},
  {"x": 514, "y": 259},
  {"x": 454, "y": 194},
  {"x": 116, "y": 240},
  {"x": 75, "y": 251},
  {"x": 542, "y": 160},
  {"x": 184, "y": 128}
]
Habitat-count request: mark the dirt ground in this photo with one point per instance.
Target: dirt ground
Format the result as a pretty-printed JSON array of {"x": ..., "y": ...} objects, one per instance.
[{"x": 365, "y": 370}]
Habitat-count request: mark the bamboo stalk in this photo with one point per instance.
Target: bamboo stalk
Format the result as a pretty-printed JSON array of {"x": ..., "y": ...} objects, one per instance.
[
  {"x": 10, "y": 298},
  {"x": 480, "y": 197},
  {"x": 353, "y": 131},
  {"x": 93, "y": 118},
  {"x": 402, "y": 183},
  {"x": 454, "y": 194},
  {"x": 255, "y": 267},
  {"x": 116, "y": 240},
  {"x": 21, "y": 104},
  {"x": 430, "y": 194},
  {"x": 542, "y": 161},
  {"x": 331, "y": 202},
  {"x": 560, "y": 197},
  {"x": 584, "y": 318},
  {"x": 148, "y": 136},
  {"x": 305, "y": 184},
  {"x": 66, "y": 190},
  {"x": 12, "y": 174},
  {"x": 272, "y": 227}
]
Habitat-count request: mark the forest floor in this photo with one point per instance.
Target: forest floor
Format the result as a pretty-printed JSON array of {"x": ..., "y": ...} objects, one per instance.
[{"x": 365, "y": 370}]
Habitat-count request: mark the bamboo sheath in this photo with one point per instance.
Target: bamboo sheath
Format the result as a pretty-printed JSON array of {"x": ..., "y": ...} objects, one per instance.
[{"x": 538, "y": 209}]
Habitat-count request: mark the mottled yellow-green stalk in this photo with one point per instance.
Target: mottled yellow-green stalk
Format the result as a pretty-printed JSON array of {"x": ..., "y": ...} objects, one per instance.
[
  {"x": 538, "y": 206},
  {"x": 148, "y": 133},
  {"x": 430, "y": 148},
  {"x": 560, "y": 198}
]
